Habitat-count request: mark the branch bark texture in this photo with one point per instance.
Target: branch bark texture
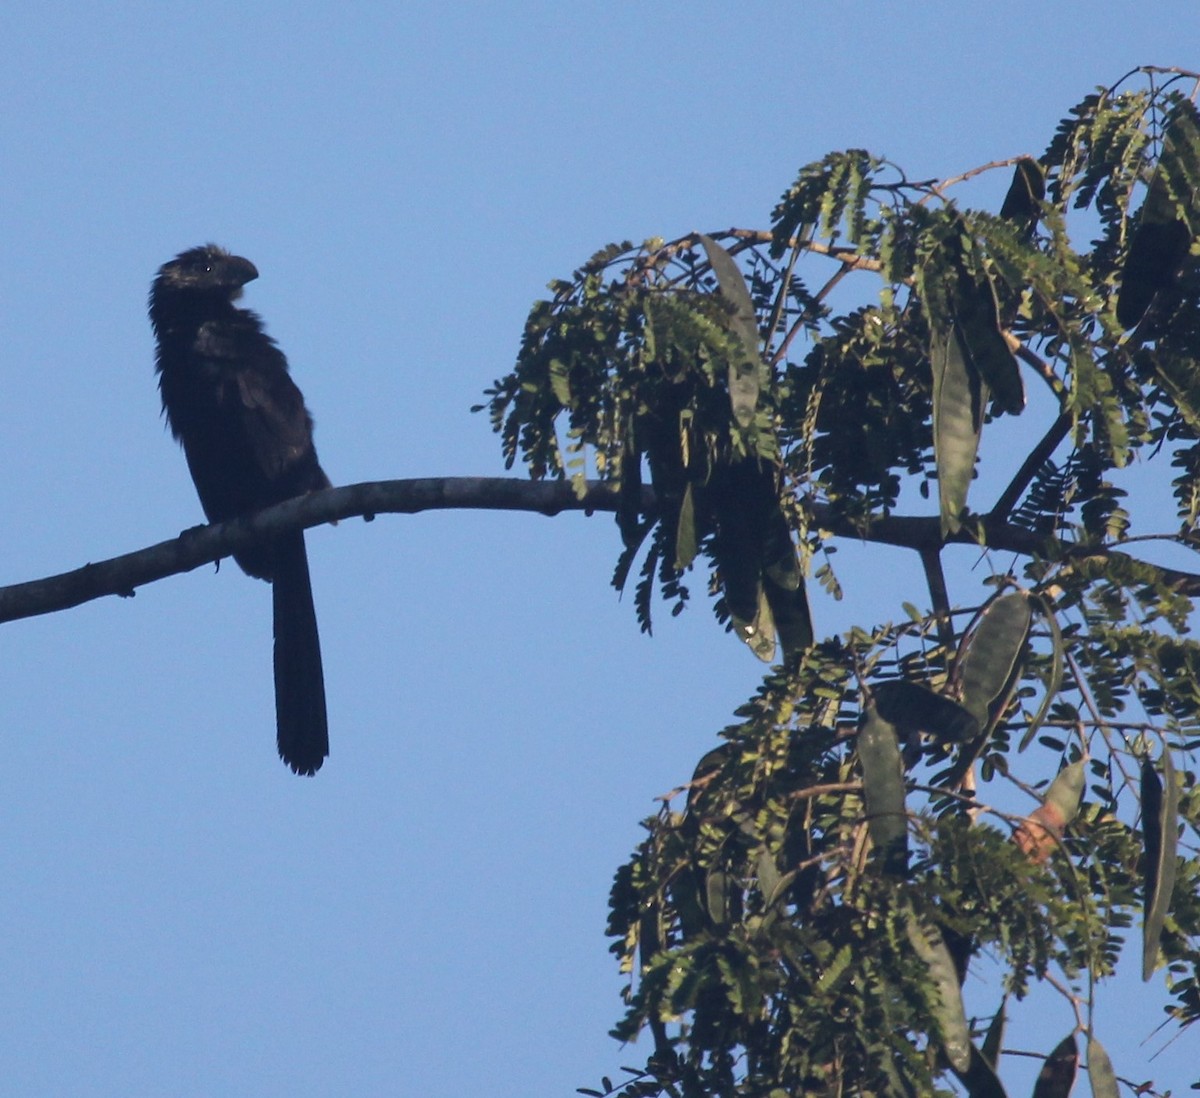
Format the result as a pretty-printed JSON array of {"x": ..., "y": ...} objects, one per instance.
[{"x": 203, "y": 545}]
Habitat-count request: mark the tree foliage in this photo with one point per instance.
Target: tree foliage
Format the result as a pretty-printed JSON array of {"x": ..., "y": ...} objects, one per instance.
[{"x": 1004, "y": 775}]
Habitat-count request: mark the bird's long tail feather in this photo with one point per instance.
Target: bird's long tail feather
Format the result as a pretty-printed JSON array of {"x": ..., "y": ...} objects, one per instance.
[{"x": 301, "y": 726}]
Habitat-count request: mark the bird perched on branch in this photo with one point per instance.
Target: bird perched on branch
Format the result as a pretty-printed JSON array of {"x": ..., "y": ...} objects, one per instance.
[{"x": 247, "y": 436}]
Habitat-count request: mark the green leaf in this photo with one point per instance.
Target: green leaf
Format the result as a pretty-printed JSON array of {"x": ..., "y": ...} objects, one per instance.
[
  {"x": 685, "y": 531},
  {"x": 913, "y": 709},
  {"x": 958, "y": 400},
  {"x": 783, "y": 566},
  {"x": 1058, "y": 1072},
  {"x": 759, "y": 634},
  {"x": 883, "y": 790},
  {"x": 977, "y": 318},
  {"x": 988, "y": 666},
  {"x": 836, "y": 970},
  {"x": 1100, "y": 1071},
  {"x": 793, "y": 622},
  {"x": 898, "y": 1085},
  {"x": 1066, "y": 791},
  {"x": 715, "y": 890},
  {"x": 735, "y": 291},
  {"x": 1178, "y": 170},
  {"x": 930, "y": 947},
  {"x": 826, "y": 192},
  {"x": 743, "y": 375},
  {"x": 768, "y": 874},
  {"x": 559, "y": 382},
  {"x": 1042, "y": 830},
  {"x": 1160, "y": 827}
]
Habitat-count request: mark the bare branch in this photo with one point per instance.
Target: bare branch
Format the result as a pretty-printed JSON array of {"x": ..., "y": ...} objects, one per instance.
[
  {"x": 1038, "y": 456},
  {"x": 938, "y": 189},
  {"x": 203, "y": 545},
  {"x": 931, "y": 561},
  {"x": 843, "y": 253}
]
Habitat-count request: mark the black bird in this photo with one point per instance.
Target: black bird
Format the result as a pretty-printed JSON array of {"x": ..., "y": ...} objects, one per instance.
[
  {"x": 1156, "y": 253},
  {"x": 247, "y": 436},
  {"x": 1022, "y": 203}
]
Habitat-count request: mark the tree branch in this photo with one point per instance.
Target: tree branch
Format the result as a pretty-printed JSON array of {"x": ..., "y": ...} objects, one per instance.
[
  {"x": 843, "y": 253},
  {"x": 1029, "y": 467},
  {"x": 931, "y": 561},
  {"x": 923, "y": 533},
  {"x": 938, "y": 189},
  {"x": 203, "y": 545}
]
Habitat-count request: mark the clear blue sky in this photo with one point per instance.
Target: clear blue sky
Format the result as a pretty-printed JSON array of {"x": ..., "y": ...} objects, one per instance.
[{"x": 179, "y": 914}]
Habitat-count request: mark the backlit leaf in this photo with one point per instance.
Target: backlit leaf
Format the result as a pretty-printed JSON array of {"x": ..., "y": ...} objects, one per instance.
[{"x": 1155, "y": 255}]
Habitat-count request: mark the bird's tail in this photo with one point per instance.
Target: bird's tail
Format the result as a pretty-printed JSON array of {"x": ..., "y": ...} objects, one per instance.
[{"x": 301, "y": 726}]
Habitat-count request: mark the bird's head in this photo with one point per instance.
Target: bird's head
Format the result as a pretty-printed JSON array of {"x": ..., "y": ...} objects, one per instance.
[{"x": 203, "y": 273}]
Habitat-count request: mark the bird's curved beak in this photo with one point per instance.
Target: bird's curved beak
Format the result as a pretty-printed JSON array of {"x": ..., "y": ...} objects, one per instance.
[{"x": 242, "y": 269}]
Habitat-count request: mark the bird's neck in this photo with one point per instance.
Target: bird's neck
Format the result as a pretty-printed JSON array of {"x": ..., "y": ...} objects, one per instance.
[{"x": 180, "y": 316}]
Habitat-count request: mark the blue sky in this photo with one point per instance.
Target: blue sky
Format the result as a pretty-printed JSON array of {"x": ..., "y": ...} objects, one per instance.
[{"x": 180, "y": 915}]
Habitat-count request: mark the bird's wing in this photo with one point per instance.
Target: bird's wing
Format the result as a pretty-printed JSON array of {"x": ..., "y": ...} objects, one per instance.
[
  {"x": 273, "y": 428},
  {"x": 276, "y": 423}
]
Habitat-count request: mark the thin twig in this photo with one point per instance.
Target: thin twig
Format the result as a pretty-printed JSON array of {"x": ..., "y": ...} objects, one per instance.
[
  {"x": 780, "y": 301},
  {"x": 1037, "y": 364},
  {"x": 1071, "y": 998},
  {"x": 935, "y": 577},
  {"x": 843, "y": 253},
  {"x": 813, "y": 791},
  {"x": 1038, "y": 456},
  {"x": 936, "y": 189}
]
